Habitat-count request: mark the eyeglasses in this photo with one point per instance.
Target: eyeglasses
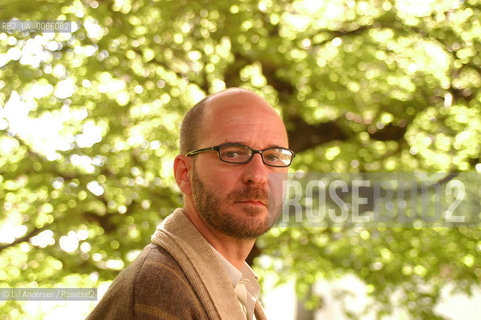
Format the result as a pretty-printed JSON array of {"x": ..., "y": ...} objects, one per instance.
[{"x": 238, "y": 153}]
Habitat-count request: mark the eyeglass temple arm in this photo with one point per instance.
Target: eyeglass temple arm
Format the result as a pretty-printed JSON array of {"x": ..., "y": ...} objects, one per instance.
[{"x": 194, "y": 152}]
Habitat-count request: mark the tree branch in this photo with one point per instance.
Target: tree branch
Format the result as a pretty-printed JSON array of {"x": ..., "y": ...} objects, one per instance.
[
  {"x": 25, "y": 238},
  {"x": 303, "y": 136}
]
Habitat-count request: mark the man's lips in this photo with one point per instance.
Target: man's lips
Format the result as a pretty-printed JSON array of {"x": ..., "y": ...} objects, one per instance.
[{"x": 254, "y": 202}]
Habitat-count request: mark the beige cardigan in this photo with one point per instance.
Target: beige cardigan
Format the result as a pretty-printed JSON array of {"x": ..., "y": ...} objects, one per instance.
[{"x": 176, "y": 277}]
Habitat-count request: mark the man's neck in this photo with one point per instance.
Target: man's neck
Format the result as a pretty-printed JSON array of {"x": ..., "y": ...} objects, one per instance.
[{"x": 233, "y": 249}]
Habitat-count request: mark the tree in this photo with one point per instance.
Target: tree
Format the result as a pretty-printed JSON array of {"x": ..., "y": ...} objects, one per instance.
[{"x": 89, "y": 125}]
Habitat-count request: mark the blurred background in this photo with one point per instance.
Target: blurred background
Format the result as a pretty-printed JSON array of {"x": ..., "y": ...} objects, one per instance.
[{"x": 89, "y": 125}]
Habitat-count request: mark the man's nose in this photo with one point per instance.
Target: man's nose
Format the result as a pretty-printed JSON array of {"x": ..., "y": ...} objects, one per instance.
[{"x": 256, "y": 171}]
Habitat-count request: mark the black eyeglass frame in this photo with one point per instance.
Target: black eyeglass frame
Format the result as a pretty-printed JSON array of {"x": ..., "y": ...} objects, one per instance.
[{"x": 253, "y": 152}]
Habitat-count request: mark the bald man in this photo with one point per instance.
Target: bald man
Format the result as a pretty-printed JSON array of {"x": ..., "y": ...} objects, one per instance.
[{"x": 230, "y": 144}]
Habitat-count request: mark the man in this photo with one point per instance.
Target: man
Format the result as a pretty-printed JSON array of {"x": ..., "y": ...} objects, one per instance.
[{"x": 231, "y": 143}]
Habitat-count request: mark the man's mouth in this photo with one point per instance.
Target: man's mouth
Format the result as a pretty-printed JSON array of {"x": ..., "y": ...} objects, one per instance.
[
  {"x": 255, "y": 202},
  {"x": 250, "y": 197}
]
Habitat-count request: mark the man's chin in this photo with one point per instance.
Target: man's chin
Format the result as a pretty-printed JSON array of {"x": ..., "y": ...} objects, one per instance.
[
  {"x": 249, "y": 225},
  {"x": 250, "y": 233}
]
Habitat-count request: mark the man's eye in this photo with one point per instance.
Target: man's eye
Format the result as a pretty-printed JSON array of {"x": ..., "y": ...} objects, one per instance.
[
  {"x": 231, "y": 154},
  {"x": 271, "y": 157}
]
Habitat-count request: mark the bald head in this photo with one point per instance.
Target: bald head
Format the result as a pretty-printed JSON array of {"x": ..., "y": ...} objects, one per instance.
[{"x": 225, "y": 108}]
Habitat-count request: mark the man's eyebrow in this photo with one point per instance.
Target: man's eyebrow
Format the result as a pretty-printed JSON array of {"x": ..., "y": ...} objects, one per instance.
[
  {"x": 276, "y": 146},
  {"x": 268, "y": 146}
]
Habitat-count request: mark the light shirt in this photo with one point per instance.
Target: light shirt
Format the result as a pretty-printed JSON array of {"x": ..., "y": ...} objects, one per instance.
[{"x": 245, "y": 285}]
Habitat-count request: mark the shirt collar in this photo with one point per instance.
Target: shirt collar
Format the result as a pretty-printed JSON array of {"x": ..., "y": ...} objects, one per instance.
[
  {"x": 234, "y": 274},
  {"x": 248, "y": 297}
]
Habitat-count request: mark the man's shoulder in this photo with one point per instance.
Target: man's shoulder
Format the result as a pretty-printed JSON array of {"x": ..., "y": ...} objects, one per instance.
[
  {"x": 156, "y": 265},
  {"x": 152, "y": 260},
  {"x": 150, "y": 265},
  {"x": 152, "y": 287},
  {"x": 161, "y": 285}
]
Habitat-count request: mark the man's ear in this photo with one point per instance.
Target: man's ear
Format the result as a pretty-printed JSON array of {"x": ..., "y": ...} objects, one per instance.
[{"x": 182, "y": 168}]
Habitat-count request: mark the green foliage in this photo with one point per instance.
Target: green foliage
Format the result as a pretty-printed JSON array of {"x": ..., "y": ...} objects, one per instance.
[{"x": 89, "y": 125}]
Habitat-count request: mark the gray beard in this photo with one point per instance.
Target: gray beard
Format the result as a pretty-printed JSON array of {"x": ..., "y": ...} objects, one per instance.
[{"x": 208, "y": 205}]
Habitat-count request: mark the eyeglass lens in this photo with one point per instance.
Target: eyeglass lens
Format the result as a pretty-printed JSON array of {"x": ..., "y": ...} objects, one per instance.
[{"x": 240, "y": 154}]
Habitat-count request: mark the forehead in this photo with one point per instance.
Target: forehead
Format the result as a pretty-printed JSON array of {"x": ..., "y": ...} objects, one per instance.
[{"x": 242, "y": 116}]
